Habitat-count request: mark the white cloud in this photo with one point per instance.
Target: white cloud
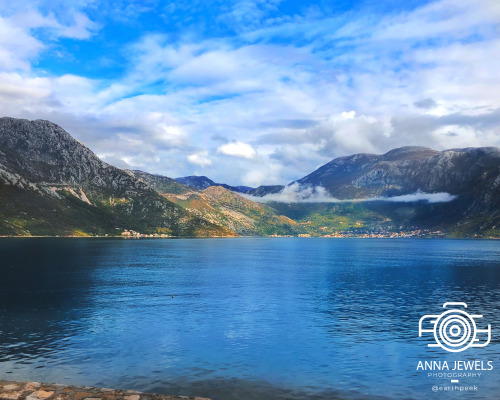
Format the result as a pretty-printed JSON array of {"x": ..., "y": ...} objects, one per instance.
[
  {"x": 200, "y": 158},
  {"x": 17, "y": 46},
  {"x": 237, "y": 149},
  {"x": 268, "y": 171},
  {"x": 439, "y": 197},
  {"x": 82, "y": 28},
  {"x": 295, "y": 193},
  {"x": 348, "y": 114}
]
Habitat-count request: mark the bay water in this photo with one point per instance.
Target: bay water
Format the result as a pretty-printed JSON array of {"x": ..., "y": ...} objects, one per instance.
[{"x": 243, "y": 318}]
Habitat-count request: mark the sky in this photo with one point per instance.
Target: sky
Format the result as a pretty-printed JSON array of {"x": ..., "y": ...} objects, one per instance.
[{"x": 253, "y": 92}]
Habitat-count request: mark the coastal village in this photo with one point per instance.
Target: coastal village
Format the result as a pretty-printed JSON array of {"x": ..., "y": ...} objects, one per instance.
[{"x": 417, "y": 233}]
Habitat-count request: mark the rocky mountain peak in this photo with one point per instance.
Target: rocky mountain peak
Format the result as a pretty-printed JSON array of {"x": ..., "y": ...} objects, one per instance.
[
  {"x": 49, "y": 153},
  {"x": 44, "y": 153},
  {"x": 409, "y": 153}
]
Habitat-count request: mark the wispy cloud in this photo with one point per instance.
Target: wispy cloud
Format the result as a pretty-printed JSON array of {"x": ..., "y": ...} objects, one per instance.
[
  {"x": 25, "y": 32},
  {"x": 295, "y": 193}
]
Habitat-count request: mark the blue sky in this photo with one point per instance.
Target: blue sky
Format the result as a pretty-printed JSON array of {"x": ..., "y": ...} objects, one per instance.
[{"x": 253, "y": 92}]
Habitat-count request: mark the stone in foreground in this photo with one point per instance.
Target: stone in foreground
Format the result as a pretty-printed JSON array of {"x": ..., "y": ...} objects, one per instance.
[{"x": 41, "y": 391}]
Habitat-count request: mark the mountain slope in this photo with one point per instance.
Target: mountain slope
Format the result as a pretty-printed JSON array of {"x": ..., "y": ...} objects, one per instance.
[
  {"x": 265, "y": 189},
  {"x": 202, "y": 182},
  {"x": 226, "y": 208},
  {"x": 470, "y": 174},
  {"x": 52, "y": 184},
  {"x": 162, "y": 184}
]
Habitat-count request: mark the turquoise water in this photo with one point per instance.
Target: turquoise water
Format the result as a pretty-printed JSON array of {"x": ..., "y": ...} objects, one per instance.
[{"x": 290, "y": 318}]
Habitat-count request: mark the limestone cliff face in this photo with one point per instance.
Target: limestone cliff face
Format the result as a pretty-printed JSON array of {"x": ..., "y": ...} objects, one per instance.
[{"x": 45, "y": 154}]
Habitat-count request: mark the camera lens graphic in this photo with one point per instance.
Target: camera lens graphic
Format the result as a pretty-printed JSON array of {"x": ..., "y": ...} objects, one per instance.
[{"x": 455, "y": 330}]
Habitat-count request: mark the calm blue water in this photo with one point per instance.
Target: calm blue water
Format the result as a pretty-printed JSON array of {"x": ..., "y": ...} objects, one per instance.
[{"x": 240, "y": 318}]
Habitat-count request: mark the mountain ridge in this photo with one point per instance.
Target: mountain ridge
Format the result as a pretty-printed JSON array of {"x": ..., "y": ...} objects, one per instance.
[
  {"x": 473, "y": 172},
  {"x": 202, "y": 182},
  {"x": 51, "y": 184}
]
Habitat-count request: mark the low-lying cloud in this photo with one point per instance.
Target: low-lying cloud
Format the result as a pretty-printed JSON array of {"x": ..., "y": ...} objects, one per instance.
[{"x": 294, "y": 193}]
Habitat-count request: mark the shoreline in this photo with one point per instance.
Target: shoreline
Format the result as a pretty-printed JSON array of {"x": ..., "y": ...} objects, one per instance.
[
  {"x": 240, "y": 237},
  {"x": 13, "y": 390}
]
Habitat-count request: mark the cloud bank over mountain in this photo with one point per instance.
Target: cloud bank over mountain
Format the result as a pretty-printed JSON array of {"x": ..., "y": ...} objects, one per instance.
[
  {"x": 295, "y": 193},
  {"x": 272, "y": 88}
]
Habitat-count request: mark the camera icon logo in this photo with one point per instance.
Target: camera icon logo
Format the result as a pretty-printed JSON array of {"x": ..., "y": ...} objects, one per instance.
[{"x": 454, "y": 330}]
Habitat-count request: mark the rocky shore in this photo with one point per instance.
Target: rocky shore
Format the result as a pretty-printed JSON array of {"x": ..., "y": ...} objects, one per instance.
[{"x": 41, "y": 391}]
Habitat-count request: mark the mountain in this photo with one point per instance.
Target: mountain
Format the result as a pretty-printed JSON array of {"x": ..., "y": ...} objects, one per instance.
[
  {"x": 472, "y": 175},
  {"x": 51, "y": 184},
  {"x": 471, "y": 172},
  {"x": 265, "y": 189},
  {"x": 196, "y": 182},
  {"x": 202, "y": 182},
  {"x": 162, "y": 184},
  {"x": 225, "y": 208}
]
